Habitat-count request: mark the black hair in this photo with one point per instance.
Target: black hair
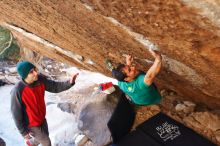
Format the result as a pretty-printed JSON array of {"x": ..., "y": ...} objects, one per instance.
[{"x": 118, "y": 74}]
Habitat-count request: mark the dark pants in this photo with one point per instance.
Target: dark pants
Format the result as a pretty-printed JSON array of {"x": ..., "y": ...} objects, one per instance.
[
  {"x": 41, "y": 134},
  {"x": 121, "y": 120}
]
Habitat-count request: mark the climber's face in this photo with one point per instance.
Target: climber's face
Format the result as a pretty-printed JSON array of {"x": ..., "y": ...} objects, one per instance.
[{"x": 131, "y": 72}]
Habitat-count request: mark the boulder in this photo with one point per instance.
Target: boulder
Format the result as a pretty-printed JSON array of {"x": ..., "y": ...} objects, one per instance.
[
  {"x": 203, "y": 121},
  {"x": 180, "y": 107},
  {"x": 186, "y": 107},
  {"x": 95, "y": 114},
  {"x": 66, "y": 107}
]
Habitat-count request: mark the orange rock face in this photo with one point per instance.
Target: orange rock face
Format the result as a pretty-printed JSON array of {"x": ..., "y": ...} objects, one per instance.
[{"x": 86, "y": 33}]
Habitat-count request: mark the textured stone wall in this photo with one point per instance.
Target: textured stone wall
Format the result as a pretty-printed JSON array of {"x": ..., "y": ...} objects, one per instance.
[{"x": 87, "y": 32}]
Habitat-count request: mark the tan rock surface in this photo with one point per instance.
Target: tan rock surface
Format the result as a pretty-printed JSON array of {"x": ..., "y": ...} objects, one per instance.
[{"x": 85, "y": 33}]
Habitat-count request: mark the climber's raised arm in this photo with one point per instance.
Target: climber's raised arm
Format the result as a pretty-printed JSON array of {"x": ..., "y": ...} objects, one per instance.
[{"x": 154, "y": 69}]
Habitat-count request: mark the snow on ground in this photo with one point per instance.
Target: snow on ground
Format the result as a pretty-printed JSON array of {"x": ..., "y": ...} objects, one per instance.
[
  {"x": 62, "y": 125},
  {"x": 8, "y": 130},
  {"x": 87, "y": 78}
]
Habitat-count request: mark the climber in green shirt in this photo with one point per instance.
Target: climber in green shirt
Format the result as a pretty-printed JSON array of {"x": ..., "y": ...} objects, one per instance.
[{"x": 136, "y": 84}]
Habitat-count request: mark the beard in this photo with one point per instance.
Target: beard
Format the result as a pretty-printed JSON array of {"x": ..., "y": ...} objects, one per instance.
[{"x": 36, "y": 78}]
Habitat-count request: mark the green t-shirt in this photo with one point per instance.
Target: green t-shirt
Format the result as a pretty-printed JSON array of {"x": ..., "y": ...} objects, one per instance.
[{"x": 140, "y": 92}]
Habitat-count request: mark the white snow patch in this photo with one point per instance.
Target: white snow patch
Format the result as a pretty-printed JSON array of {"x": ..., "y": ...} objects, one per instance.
[
  {"x": 88, "y": 78},
  {"x": 8, "y": 131},
  {"x": 62, "y": 126}
]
